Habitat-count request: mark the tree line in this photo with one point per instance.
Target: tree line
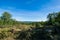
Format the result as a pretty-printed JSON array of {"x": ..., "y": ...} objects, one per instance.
[{"x": 44, "y": 30}]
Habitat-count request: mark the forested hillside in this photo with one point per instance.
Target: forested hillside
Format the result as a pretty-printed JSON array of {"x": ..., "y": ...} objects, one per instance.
[{"x": 11, "y": 29}]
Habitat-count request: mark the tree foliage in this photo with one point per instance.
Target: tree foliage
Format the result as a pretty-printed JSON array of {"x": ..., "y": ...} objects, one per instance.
[{"x": 48, "y": 30}]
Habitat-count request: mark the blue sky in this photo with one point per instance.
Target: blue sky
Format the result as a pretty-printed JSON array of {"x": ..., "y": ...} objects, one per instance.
[{"x": 29, "y": 10}]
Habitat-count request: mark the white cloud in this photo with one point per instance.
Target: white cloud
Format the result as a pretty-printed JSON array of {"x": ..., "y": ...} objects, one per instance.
[{"x": 23, "y": 15}]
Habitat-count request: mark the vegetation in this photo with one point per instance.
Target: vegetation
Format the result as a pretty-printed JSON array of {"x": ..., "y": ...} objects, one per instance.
[{"x": 11, "y": 29}]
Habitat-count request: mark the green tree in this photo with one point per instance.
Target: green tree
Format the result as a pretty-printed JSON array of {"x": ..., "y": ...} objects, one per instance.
[
  {"x": 6, "y": 17},
  {"x": 57, "y": 19},
  {"x": 51, "y": 18}
]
